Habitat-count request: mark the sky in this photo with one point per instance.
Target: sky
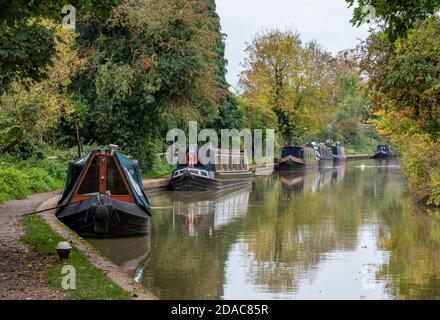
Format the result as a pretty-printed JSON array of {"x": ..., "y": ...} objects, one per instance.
[{"x": 326, "y": 21}]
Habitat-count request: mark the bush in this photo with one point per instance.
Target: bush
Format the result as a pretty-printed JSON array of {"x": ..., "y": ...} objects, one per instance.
[
  {"x": 39, "y": 180},
  {"x": 14, "y": 184},
  {"x": 420, "y": 162},
  {"x": 32, "y": 176},
  {"x": 434, "y": 196}
]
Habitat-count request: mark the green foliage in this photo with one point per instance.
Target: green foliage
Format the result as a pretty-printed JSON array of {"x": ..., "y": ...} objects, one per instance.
[
  {"x": 256, "y": 116},
  {"x": 29, "y": 110},
  {"x": 350, "y": 97},
  {"x": 405, "y": 89},
  {"x": 420, "y": 161},
  {"x": 351, "y": 109},
  {"x": 26, "y": 50},
  {"x": 13, "y": 184},
  {"x": 31, "y": 176},
  {"x": 160, "y": 168},
  {"x": 13, "y": 10},
  {"x": 27, "y": 45},
  {"x": 434, "y": 191},
  {"x": 398, "y": 16},
  {"x": 92, "y": 283},
  {"x": 151, "y": 66}
]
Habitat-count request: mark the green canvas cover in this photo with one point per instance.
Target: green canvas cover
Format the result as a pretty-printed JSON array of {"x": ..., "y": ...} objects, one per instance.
[{"x": 130, "y": 168}]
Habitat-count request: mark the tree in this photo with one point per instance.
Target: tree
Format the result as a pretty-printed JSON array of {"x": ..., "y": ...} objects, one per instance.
[
  {"x": 27, "y": 46},
  {"x": 257, "y": 116},
  {"x": 293, "y": 79},
  {"x": 152, "y": 65},
  {"x": 229, "y": 114},
  {"x": 404, "y": 85},
  {"x": 398, "y": 16},
  {"x": 29, "y": 110},
  {"x": 405, "y": 79}
]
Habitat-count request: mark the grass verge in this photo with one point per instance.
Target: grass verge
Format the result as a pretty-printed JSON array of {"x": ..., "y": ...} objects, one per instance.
[
  {"x": 161, "y": 168},
  {"x": 91, "y": 283}
]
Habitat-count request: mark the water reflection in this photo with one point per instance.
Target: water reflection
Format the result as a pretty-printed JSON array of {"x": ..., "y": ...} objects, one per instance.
[
  {"x": 211, "y": 211},
  {"x": 131, "y": 254},
  {"x": 335, "y": 232}
]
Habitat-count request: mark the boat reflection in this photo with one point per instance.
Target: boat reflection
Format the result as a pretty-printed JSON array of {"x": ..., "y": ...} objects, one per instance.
[
  {"x": 211, "y": 210},
  {"x": 312, "y": 179},
  {"x": 131, "y": 254}
]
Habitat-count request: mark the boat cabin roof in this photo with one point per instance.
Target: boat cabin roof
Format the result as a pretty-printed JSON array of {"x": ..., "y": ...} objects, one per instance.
[
  {"x": 225, "y": 160},
  {"x": 104, "y": 171}
]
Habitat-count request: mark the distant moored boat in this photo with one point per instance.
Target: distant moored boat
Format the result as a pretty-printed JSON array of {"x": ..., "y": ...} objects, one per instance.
[
  {"x": 230, "y": 171},
  {"x": 338, "y": 153},
  {"x": 384, "y": 151},
  {"x": 292, "y": 157}
]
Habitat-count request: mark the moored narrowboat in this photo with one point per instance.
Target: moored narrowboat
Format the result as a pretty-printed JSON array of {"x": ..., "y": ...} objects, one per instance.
[
  {"x": 310, "y": 156},
  {"x": 104, "y": 196},
  {"x": 384, "y": 151},
  {"x": 338, "y": 153},
  {"x": 323, "y": 151},
  {"x": 230, "y": 171},
  {"x": 292, "y": 158}
]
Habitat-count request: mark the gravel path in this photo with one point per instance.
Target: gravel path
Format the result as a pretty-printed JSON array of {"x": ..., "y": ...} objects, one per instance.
[{"x": 22, "y": 270}]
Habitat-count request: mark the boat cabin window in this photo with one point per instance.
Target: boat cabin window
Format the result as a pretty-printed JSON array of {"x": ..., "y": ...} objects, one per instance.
[
  {"x": 292, "y": 151},
  {"x": 75, "y": 173},
  {"x": 225, "y": 163},
  {"x": 115, "y": 182},
  {"x": 90, "y": 183}
]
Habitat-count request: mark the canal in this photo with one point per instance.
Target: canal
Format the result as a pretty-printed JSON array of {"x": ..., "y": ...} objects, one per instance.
[{"x": 343, "y": 232}]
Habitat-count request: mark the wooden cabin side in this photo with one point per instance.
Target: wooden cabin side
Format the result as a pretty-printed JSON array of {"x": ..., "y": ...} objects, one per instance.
[
  {"x": 310, "y": 155},
  {"x": 326, "y": 152},
  {"x": 229, "y": 163}
]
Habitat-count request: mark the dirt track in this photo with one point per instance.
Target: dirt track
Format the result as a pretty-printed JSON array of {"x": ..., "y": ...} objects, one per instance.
[{"x": 21, "y": 269}]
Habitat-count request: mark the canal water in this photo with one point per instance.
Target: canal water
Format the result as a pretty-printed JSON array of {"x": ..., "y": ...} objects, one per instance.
[{"x": 337, "y": 232}]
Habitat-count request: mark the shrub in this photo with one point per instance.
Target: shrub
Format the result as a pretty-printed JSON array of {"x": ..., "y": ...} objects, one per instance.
[
  {"x": 30, "y": 176},
  {"x": 420, "y": 162},
  {"x": 434, "y": 194},
  {"x": 39, "y": 180},
  {"x": 14, "y": 184}
]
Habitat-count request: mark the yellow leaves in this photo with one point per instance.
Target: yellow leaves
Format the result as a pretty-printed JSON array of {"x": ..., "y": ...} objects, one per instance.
[
  {"x": 40, "y": 108},
  {"x": 379, "y": 113},
  {"x": 291, "y": 78}
]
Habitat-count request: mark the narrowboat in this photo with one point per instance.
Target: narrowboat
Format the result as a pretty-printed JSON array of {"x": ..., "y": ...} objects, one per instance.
[
  {"x": 292, "y": 158},
  {"x": 384, "y": 151},
  {"x": 338, "y": 153},
  {"x": 230, "y": 170},
  {"x": 310, "y": 156},
  {"x": 323, "y": 151},
  {"x": 104, "y": 197}
]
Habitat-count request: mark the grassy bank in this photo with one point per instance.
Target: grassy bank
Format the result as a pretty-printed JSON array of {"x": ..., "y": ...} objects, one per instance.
[
  {"x": 91, "y": 283},
  {"x": 19, "y": 179},
  {"x": 161, "y": 168}
]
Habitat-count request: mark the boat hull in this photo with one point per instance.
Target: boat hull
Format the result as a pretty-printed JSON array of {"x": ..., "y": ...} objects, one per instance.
[
  {"x": 105, "y": 219},
  {"x": 383, "y": 155},
  {"x": 190, "y": 182},
  {"x": 291, "y": 164}
]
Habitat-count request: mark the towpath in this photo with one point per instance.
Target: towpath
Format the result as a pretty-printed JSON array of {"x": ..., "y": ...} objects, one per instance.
[{"x": 21, "y": 269}]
